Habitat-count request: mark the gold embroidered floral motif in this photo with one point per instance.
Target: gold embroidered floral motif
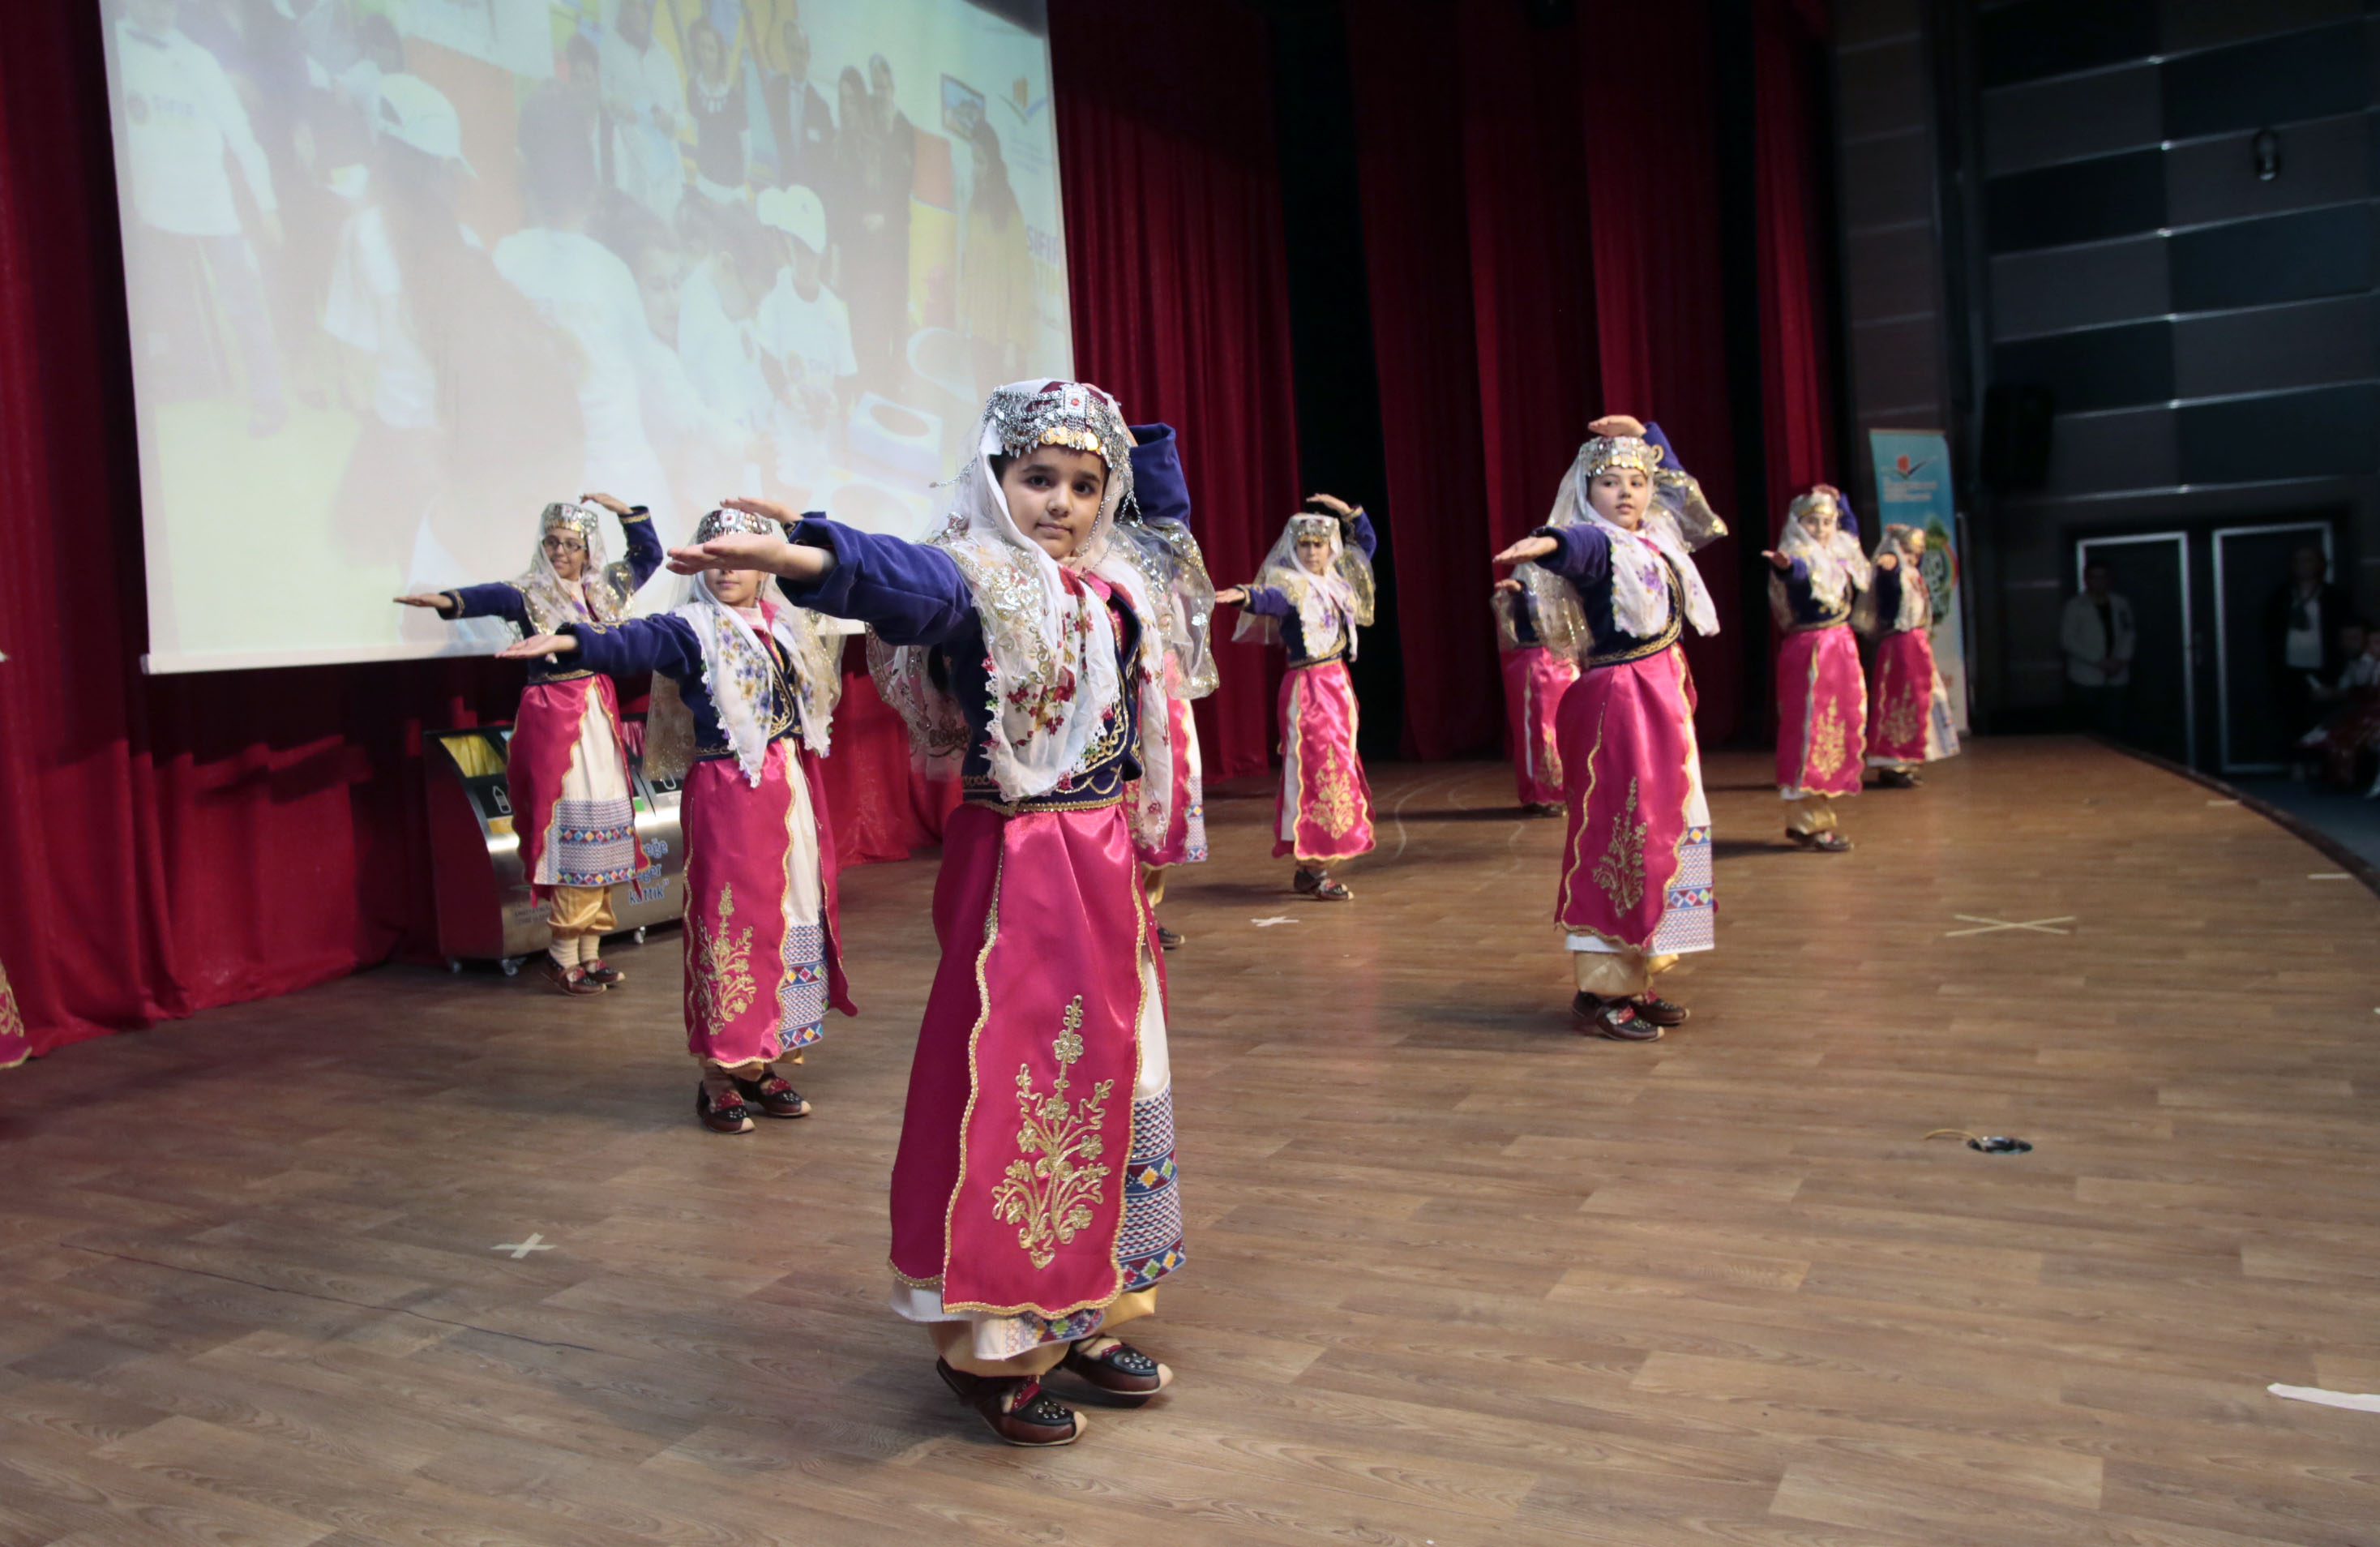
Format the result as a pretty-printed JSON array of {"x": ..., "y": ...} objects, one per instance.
[
  {"x": 725, "y": 985},
  {"x": 1827, "y": 742},
  {"x": 1334, "y": 797},
  {"x": 1905, "y": 721},
  {"x": 1621, "y": 872},
  {"x": 1049, "y": 1198}
]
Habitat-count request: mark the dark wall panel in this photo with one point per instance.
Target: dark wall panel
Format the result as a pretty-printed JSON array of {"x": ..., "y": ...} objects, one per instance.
[
  {"x": 2276, "y": 347},
  {"x": 2302, "y": 434},
  {"x": 2191, "y": 24},
  {"x": 2301, "y": 75},
  {"x": 2100, "y": 367},
  {"x": 2097, "y": 453},
  {"x": 2035, "y": 38},
  {"x": 2325, "y": 162},
  {"x": 2113, "y": 196},
  {"x": 2097, "y": 115},
  {"x": 2079, "y": 286},
  {"x": 2297, "y": 257}
]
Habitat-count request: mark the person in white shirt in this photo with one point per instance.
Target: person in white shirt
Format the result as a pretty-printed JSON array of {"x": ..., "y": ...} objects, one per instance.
[
  {"x": 2098, "y": 638},
  {"x": 177, "y": 116},
  {"x": 584, "y": 287},
  {"x": 644, "y": 97},
  {"x": 805, "y": 326},
  {"x": 470, "y": 402}
]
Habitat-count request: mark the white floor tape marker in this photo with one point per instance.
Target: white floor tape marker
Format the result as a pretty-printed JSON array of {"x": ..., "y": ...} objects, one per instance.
[{"x": 2359, "y": 1401}]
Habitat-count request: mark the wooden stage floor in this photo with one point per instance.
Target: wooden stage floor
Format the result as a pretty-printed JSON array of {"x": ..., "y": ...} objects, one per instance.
[{"x": 1457, "y": 1276}]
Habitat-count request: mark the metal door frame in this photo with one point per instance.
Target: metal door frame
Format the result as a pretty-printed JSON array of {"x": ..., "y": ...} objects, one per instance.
[
  {"x": 2180, "y": 540},
  {"x": 2223, "y": 634}
]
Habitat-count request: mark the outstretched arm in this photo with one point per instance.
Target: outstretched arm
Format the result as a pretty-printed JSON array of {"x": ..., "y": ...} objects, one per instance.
[
  {"x": 497, "y": 599},
  {"x": 909, "y": 592},
  {"x": 1580, "y": 555}
]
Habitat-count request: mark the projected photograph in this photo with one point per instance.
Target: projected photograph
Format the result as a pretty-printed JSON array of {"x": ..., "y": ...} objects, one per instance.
[{"x": 400, "y": 271}]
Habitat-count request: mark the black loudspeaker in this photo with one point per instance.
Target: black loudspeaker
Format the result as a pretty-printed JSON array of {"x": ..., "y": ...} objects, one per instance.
[{"x": 2016, "y": 437}]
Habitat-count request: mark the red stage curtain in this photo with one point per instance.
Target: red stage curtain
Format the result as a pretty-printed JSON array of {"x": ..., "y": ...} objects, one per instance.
[
  {"x": 1417, "y": 260},
  {"x": 1797, "y": 430},
  {"x": 1542, "y": 247},
  {"x": 1652, "y": 193},
  {"x": 1181, "y": 305}
]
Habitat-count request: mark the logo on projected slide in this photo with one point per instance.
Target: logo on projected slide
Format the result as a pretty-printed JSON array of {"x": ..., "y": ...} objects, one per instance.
[{"x": 135, "y": 107}]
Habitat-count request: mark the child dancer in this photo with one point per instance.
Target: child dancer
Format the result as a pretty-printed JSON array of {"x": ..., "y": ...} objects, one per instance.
[
  {"x": 744, "y": 696},
  {"x": 1615, "y": 585},
  {"x": 1535, "y": 680},
  {"x": 1156, "y": 537},
  {"x": 1312, "y": 593},
  {"x": 1819, "y": 570},
  {"x": 1034, "y": 1209},
  {"x": 1911, "y": 722},
  {"x": 566, "y": 770}
]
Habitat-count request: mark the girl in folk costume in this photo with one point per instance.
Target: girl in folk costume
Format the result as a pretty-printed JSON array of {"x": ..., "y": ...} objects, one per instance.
[
  {"x": 1312, "y": 593},
  {"x": 1535, "y": 680},
  {"x": 1910, "y": 720},
  {"x": 1034, "y": 1210},
  {"x": 567, "y": 769},
  {"x": 743, "y": 693},
  {"x": 1156, "y": 535},
  {"x": 1817, "y": 573},
  {"x": 1615, "y": 585}
]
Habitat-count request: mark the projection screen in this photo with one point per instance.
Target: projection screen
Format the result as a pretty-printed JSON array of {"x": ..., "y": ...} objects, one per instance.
[{"x": 400, "y": 271}]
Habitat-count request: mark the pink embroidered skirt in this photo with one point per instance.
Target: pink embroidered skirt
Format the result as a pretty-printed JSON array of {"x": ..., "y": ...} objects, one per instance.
[
  {"x": 1185, "y": 829},
  {"x": 1636, "y": 861},
  {"x": 1324, "y": 811},
  {"x": 1910, "y": 715},
  {"x": 566, "y": 775},
  {"x": 1035, "y": 1179},
  {"x": 761, "y": 958},
  {"x": 1535, "y": 680},
  {"x": 1821, "y": 713}
]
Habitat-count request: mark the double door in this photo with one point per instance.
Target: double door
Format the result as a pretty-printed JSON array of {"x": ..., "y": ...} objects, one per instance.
[{"x": 2203, "y": 667}]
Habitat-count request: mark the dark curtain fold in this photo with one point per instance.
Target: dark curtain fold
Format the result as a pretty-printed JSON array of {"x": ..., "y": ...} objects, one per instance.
[
  {"x": 1175, "y": 268},
  {"x": 1417, "y": 259},
  {"x": 1652, "y": 191},
  {"x": 1797, "y": 394}
]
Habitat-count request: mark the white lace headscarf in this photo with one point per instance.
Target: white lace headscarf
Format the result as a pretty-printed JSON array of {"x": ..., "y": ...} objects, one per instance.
[
  {"x": 1331, "y": 605},
  {"x": 736, "y": 670},
  {"x": 1050, "y": 641},
  {"x": 1174, "y": 569},
  {"x": 601, "y": 591},
  {"x": 1916, "y": 604},
  {"x": 1678, "y": 522},
  {"x": 1838, "y": 571}
]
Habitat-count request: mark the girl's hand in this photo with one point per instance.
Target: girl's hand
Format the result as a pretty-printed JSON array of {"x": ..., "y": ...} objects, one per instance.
[
  {"x": 766, "y": 509},
  {"x": 1528, "y": 548},
  {"x": 1780, "y": 561},
  {"x": 538, "y": 644},
  {"x": 1888, "y": 561},
  {"x": 1334, "y": 505},
  {"x": 1237, "y": 596},
  {"x": 1618, "y": 425},
  {"x": 1509, "y": 586},
  {"x": 608, "y": 502},
  {"x": 435, "y": 604}
]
